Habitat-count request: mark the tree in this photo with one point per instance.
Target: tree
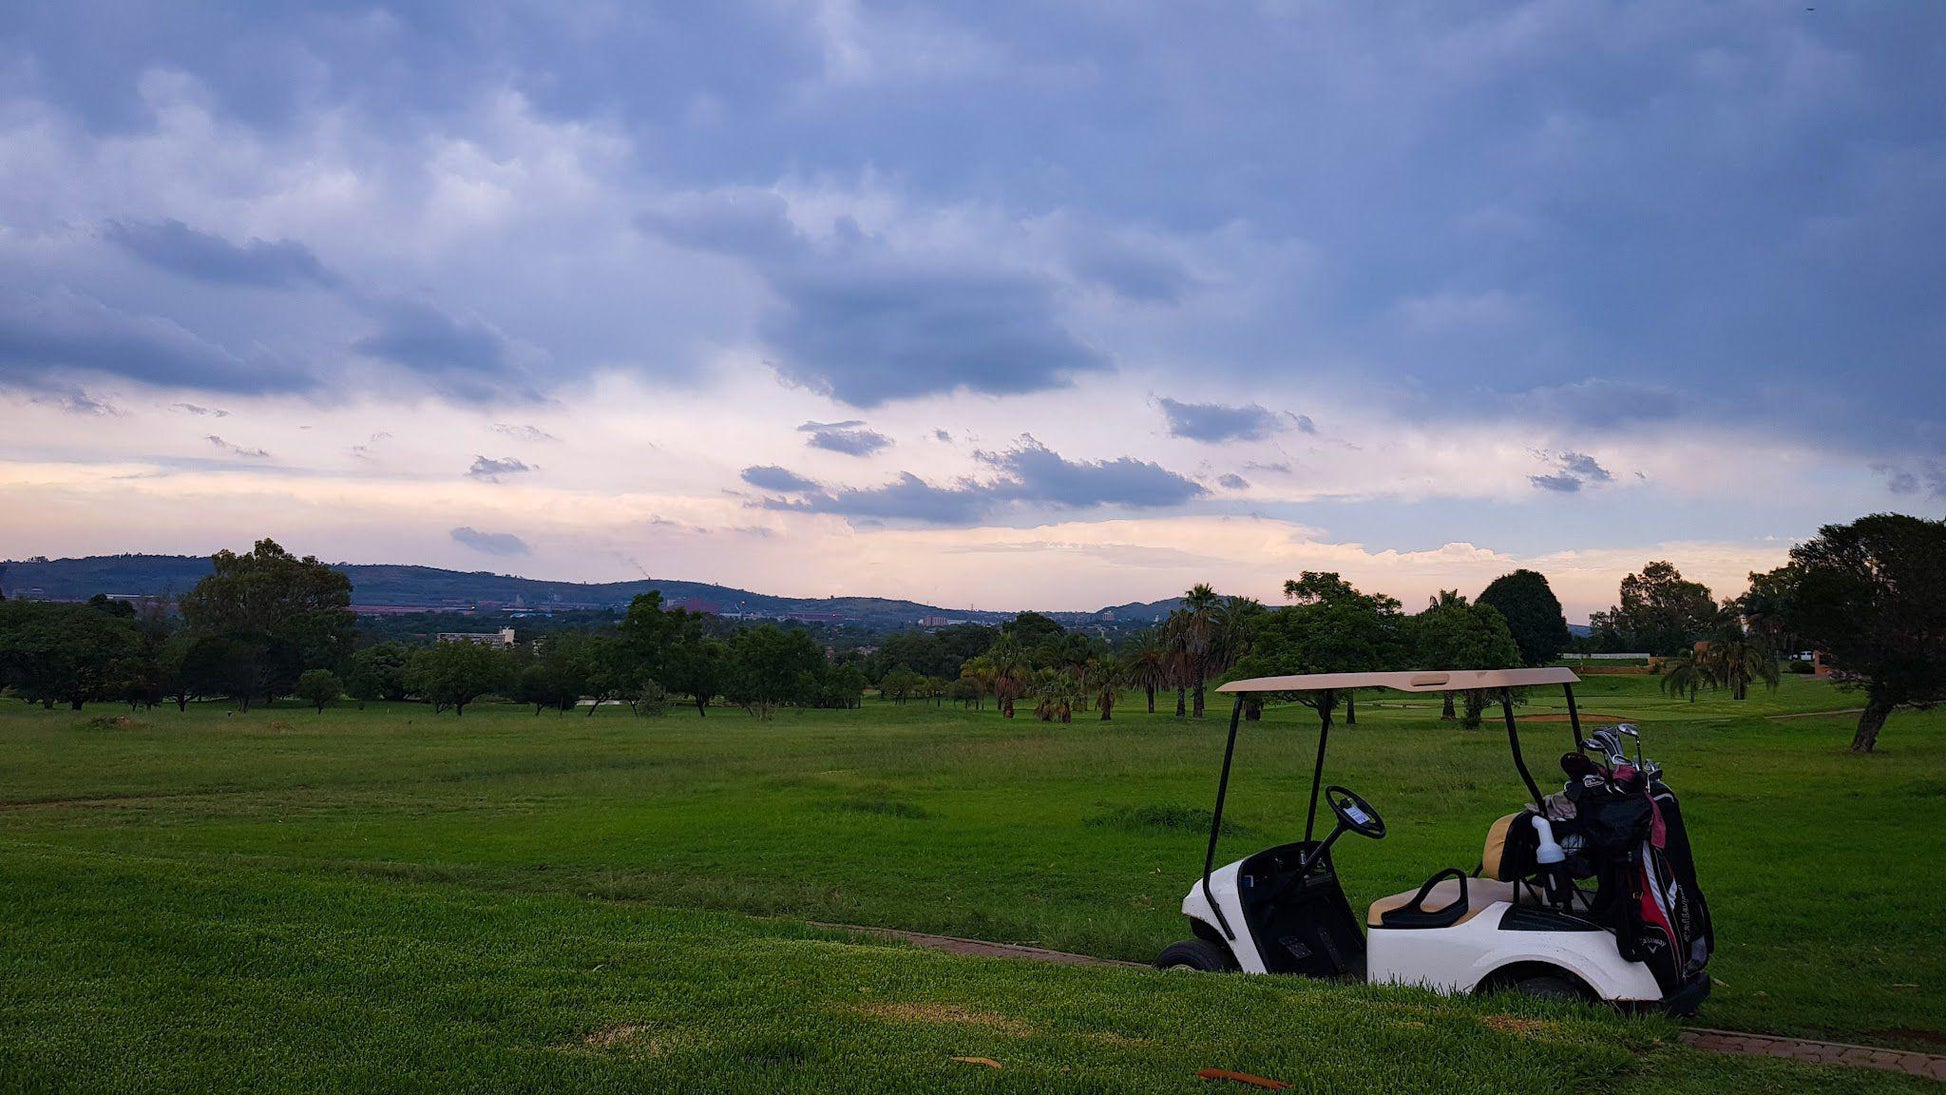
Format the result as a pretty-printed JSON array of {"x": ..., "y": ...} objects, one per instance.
[
  {"x": 65, "y": 653},
  {"x": 1660, "y": 611},
  {"x": 1737, "y": 661},
  {"x": 1329, "y": 628},
  {"x": 770, "y": 666},
  {"x": 1872, "y": 596},
  {"x": 288, "y": 613},
  {"x": 1452, "y": 634},
  {"x": 1688, "y": 673},
  {"x": 1532, "y": 612},
  {"x": 900, "y": 684},
  {"x": 1148, "y": 664},
  {"x": 454, "y": 674},
  {"x": 1103, "y": 680},
  {"x": 696, "y": 666},
  {"x": 319, "y": 688},
  {"x": 378, "y": 673}
]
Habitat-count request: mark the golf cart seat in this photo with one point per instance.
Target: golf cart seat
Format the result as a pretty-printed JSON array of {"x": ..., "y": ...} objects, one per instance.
[
  {"x": 1433, "y": 905},
  {"x": 1436, "y": 908}
]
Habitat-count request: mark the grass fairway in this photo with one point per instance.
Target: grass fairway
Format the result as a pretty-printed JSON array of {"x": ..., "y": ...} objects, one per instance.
[{"x": 383, "y": 898}]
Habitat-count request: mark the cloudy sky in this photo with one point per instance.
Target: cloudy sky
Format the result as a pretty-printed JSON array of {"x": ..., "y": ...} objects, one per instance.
[{"x": 993, "y": 304}]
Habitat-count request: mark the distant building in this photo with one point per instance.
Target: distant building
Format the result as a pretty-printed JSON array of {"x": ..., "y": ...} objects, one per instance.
[
  {"x": 502, "y": 637},
  {"x": 697, "y": 606},
  {"x": 939, "y": 621}
]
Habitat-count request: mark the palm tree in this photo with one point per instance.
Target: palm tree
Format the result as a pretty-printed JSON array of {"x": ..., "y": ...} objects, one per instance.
[
  {"x": 1738, "y": 661},
  {"x": 1689, "y": 672},
  {"x": 1177, "y": 659},
  {"x": 1199, "y": 606},
  {"x": 1148, "y": 664},
  {"x": 1010, "y": 670},
  {"x": 1103, "y": 679}
]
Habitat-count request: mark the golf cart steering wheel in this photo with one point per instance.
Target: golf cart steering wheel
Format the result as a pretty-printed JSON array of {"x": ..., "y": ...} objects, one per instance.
[{"x": 1354, "y": 813}]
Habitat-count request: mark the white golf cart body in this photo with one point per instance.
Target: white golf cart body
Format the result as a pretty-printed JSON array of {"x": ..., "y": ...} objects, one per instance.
[{"x": 1503, "y": 929}]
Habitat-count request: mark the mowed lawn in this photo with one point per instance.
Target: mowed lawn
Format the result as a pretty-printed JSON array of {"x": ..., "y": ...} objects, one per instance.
[{"x": 385, "y": 898}]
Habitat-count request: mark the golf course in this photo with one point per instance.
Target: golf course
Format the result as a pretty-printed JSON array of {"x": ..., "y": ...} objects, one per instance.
[{"x": 381, "y": 897}]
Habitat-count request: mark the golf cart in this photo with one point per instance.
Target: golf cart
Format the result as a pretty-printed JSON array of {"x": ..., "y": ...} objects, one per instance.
[{"x": 1589, "y": 892}]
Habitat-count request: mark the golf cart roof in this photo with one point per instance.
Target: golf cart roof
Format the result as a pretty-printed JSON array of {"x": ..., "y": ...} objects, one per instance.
[{"x": 1442, "y": 680}]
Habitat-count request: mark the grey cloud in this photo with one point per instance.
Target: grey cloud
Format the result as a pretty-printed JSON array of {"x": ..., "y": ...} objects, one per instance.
[
  {"x": 63, "y": 330},
  {"x": 1214, "y": 422},
  {"x": 849, "y": 438},
  {"x": 1132, "y": 271},
  {"x": 466, "y": 359},
  {"x": 76, "y": 401},
  {"x": 1602, "y": 402},
  {"x": 491, "y": 543},
  {"x": 176, "y": 247},
  {"x": 1576, "y": 470},
  {"x": 199, "y": 410},
  {"x": 742, "y": 221},
  {"x": 1234, "y": 481},
  {"x": 1929, "y": 476},
  {"x": 237, "y": 450},
  {"x": 772, "y": 477},
  {"x": 1029, "y": 473},
  {"x": 1582, "y": 465},
  {"x": 864, "y": 323},
  {"x": 1042, "y": 475},
  {"x": 490, "y": 470},
  {"x": 943, "y": 436}
]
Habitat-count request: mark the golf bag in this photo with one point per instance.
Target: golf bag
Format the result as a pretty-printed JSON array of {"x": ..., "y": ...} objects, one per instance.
[{"x": 1637, "y": 849}]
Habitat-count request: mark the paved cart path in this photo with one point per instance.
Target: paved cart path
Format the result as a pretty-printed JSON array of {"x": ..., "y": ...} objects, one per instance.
[{"x": 1932, "y": 1066}]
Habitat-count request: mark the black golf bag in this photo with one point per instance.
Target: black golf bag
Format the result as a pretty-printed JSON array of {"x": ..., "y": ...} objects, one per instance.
[{"x": 1637, "y": 849}]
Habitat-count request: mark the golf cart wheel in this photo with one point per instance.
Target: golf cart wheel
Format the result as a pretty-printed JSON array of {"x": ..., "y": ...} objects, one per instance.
[
  {"x": 1196, "y": 954},
  {"x": 1542, "y": 984}
]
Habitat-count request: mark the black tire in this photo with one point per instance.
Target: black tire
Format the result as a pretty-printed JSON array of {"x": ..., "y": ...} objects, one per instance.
[
  {"x": 1196, "y": 954},
  {"x": 1547, "y": 986}
]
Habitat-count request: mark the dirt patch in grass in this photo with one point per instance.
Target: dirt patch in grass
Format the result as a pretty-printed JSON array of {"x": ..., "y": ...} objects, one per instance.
[
  {"x": 1160, "y": 819},
  {"x": 634, "y": 1039},
  {"x": 954, "y": 1014},
  {"x": 1514, "y": 1024}
]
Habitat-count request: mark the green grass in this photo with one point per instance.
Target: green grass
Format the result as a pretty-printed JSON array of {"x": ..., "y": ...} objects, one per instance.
[{"x": 200, "y": 900}]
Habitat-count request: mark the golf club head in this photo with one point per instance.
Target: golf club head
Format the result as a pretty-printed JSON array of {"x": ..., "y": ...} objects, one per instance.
[{"x": 1628, "y": 730}]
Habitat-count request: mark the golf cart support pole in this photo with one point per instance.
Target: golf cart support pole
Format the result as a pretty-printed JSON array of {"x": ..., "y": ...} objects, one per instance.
[
  {"x": 1325, "y": 700},
  {"x": 1574, "y": 716},
  {"x": 1216, "y": 819},
  {"x": 1513, "y": 740}
]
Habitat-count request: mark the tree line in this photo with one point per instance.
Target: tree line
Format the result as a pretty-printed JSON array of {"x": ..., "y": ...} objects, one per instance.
[{"x": 263, "y": 625}]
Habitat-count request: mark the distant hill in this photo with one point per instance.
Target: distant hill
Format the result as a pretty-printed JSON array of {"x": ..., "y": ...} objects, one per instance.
[{"x": 386, "y": 588}]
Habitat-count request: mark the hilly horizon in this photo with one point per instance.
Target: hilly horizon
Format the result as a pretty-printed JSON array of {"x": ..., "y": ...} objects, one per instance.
[{"x": 388, "y": 588}]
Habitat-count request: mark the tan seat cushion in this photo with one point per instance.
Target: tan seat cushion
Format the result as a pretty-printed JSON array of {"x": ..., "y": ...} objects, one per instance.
[{"x": 1480, "y": 893}]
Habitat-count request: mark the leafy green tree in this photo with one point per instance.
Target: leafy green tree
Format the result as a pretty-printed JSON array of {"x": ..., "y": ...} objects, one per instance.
[
  {"x": 378, "y": 673},
  {"x": 1103, "y": 679},
  {"x": 288, "y": 614},
  {"x": 1659, "y": 611},
  {"x": 1330, "y": 627},
  {"x": 901, "y": 684},
  {"x": 649, "y": 699},
  {"x": 698, "y": 667},
  {"x": 1872, "y": 596},
  {"x": 65, "y": 653},
  {"x": 840, "y": 687},
  {"x": 1533, "y": 614},
  {"x": 770, "y": 667},
  {"x": 319, "y": 688},
  {"x": 454, "y": 674},
  {"x": 1452, "y": 634}
]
